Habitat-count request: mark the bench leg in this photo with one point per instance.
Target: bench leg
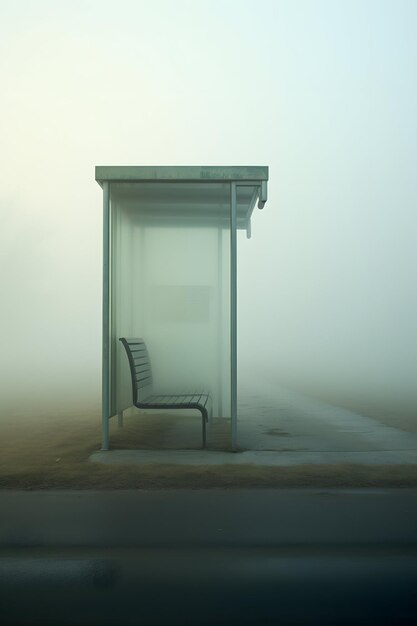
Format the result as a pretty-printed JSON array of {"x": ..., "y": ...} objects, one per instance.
[
  {"x": 204, "y": 420},
  {"x": 120, "y": 419}
]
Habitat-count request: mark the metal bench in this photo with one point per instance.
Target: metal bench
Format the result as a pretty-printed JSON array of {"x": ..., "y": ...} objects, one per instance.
[{"x": 142, "y": 385}]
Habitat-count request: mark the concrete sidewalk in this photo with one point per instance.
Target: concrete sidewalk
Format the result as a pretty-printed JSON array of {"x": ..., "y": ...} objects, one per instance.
[
  {"x": 279, "y": 427},
  {"x": 255, "y": 457}
]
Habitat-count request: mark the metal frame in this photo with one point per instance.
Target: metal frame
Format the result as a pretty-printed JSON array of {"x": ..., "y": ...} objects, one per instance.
[
  {"x": 261, "y": 194},
  {"x": 220, "y": 323},
  {"x": 207, "y": 174},
  {"x": 106, "y": 319},
  {"x": 233, "y": 315},
  {"x": 238, "y": 177}
]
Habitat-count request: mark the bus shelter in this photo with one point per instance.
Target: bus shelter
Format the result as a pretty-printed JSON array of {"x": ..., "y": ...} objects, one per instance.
[{"x": 170, "y": 277}]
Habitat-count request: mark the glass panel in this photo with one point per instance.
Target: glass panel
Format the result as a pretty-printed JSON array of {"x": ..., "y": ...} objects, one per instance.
[{"x": 170, "y": 278}]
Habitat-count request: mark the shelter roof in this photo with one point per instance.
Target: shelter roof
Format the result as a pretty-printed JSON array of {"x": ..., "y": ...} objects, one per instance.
[{"x": 131, "y": 173}]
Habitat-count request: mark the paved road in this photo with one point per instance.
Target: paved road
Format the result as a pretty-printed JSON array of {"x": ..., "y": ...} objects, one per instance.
[
  {"x": 240, "y": 557},
  {"x": 207, "y": 517}
]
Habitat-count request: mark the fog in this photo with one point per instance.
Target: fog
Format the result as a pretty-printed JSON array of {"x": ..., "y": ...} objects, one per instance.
[{"x": 324, "y": 93}]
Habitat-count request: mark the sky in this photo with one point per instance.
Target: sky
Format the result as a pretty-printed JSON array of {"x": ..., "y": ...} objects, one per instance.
[{"x": 323, "y": 92}]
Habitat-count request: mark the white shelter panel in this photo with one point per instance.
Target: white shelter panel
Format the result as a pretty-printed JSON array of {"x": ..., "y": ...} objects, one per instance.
[{"x": 170, "y": 285}]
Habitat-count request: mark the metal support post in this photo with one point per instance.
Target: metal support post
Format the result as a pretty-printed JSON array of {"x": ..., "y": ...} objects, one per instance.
[
  {"x": 233, "y": 312},
  {"x": 106, "y": 319},
  {"x": 220, "y": 324}
]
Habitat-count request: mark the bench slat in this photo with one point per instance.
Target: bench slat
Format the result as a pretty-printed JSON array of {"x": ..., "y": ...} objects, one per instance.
[
  {"x": 143, "y": 382},
  {"x": 142, "y": 366},
  {"x": 133, "y": 340},
  {"x": 138, "y": 349},
  {"x": 139, "y": 359},
  {"x": 179, "y": 399},
  {"x": 139, "y": 367},
  {"x": 155, "y": 399}
]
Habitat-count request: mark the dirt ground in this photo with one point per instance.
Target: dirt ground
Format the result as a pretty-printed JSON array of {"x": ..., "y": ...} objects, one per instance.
[{"x": 52, "y": 452}]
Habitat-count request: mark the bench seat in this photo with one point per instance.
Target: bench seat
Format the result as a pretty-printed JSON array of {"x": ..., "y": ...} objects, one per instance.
[{"x": 179, "y": 401}]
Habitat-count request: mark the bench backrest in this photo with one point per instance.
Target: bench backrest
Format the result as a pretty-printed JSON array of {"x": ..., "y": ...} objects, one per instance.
[{"x": 140, "y": 367}]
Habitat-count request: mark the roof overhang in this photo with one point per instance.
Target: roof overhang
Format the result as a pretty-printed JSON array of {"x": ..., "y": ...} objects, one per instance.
[
  {"x": 132, "y": 173},
  {"x": 198, "y": 194}
]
